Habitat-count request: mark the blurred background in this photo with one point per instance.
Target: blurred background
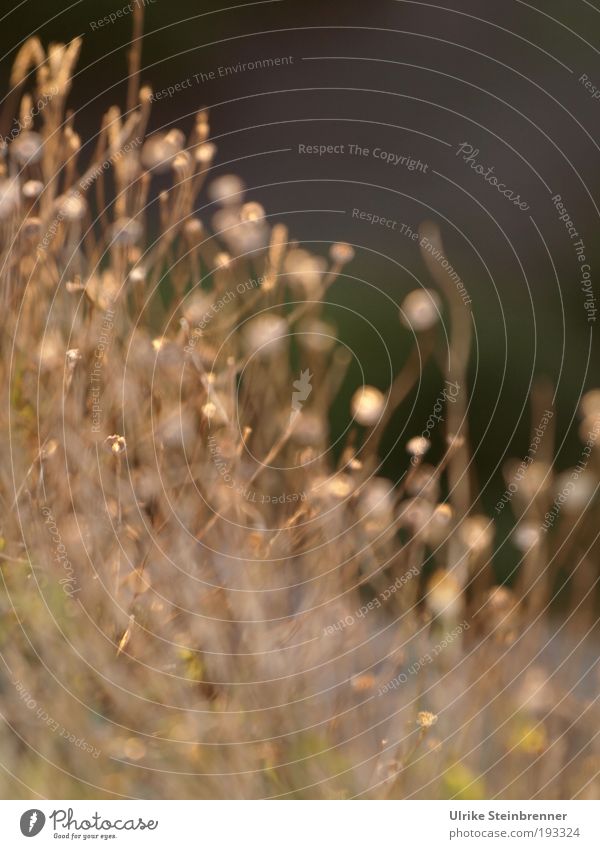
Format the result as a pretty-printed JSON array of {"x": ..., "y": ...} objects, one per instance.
[{"x": 414, "y": 79}]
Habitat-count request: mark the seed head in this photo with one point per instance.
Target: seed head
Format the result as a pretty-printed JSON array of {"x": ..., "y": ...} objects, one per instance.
[
  {"x": 116, "y": 444},
  {"x": 137, "y": 274},
  {"x": 227, "y": 190},
  {"x": 160, "y": 150},
  {"x": 440, "y": 524},
  {"x": 477, "y": 533},
  {"x": 72, "y": 207},
  {"x": 418, "y": 446},
  {"x": 424, "y": 482},
  {"x": 27, "y": 148},
  {"x": 73, "y": 356},
  {"x": 367, "y": 405},
  {"x": 205, "y": 153},
  {"x": 575, "y": 490},
  {"x": 266, "y": 335},
  {"x": 526, "y": 536},
  {"x": 316, "y": 336},
  {"x": 443, "y": 594},
  {"x": 590, "y": 403},
  {"x": 304, "y": 270},
  {"x": 251, "y": 212},
  {"x": 33, "y": 189},
  {"x": 420, "y": 310},
  {"x": 126, "y": 231},
  {"x": 425, "y": 719},
  {"x": 341, "y": 253}
]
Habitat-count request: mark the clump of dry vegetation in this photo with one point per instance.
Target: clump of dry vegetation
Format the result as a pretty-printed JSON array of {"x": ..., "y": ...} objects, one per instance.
[{"x": 200, "y": 598}]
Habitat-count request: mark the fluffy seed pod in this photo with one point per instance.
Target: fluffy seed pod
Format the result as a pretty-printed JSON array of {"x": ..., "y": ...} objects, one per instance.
[
  {"x": 227, "y": 190},
  {"x": 205, "y": 153},
  {"x": 590, "y": 403},
  {"x": 589, "y": 429},
  {"x": 241, "y": 236},
  {"x": 329, "y": 491},
  {"x": 33, "y": 189},
  {"x": 316, "y": 336},
  {"x": 266, "y": 335},
  {"x": 536, "y": 692},
  {"x": 531, "y": 482},
  {"x": 116, "y": 444},
  {"x": 367, "y": 405},
  {"x": 341, "y": 253},
  {"x": 197, "y": 309},
  {"x": 137, "y": 274},
  {"x": 309, "y": 428},
  {"x": 160, "y": 150},
  {"x": 526, "y": 536},
  {"x": 440, "y": 524},
  {"x": 424, "y": 483},
  {"x": 72, "y": 207},
  {"x": 477, "y": 533},
  {"x": 305, "y": 271},
  {"x": 194, "y": 231},
  {"x": 426, "y": 719},
  {"x": 252, "y": 212},
  {"x": 444, "y": 595},
  {"x": 73, "y": 356},
  {"x": 420, "y": 310},
  {"x": 375, "y": 505},
  {"x": 574, "y": 490},
  {"x": 126, "y": 232},
  {"x": 27, "y": 148},
  {"x": 414, "y": 514},
  {"x": 418, "y": 446}
]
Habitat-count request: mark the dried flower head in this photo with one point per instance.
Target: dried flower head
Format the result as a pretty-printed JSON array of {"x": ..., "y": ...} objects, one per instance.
[
  {"x": 227, "y": 190},
  {"x": 414, "y": 514},
  {"x": 444, "y": 594},
  {"x": 160, "y": 150},
  {"x": 418, "y": 446},
  {"x": 305, "y": 271},
  {"x": 367, "y": 405},
  {"x": 26, "y": 149},
  {"x": 73, "y": 356},
  {"x": 341, "y": 253},
  {"x": 526, "y": 536},
  {"x": 316, "y": 336},
  {"x": 32, "y": 189},
  {"x": 116, "y": 444},
  {"x": 440, "y": 524},
  {"x": 590, "y": 403},
  {"x": 426, "y": 719},
  {"x": 575, "y": 489},
  {"x": 266, "y": 335},
  {"x": 477, "y": 533},
  {"x": 421, "y": 310},
  {"x": 126, "y": 232},
  {"x": 72, "y": 207},
  {"x": 424, "y": 482}
]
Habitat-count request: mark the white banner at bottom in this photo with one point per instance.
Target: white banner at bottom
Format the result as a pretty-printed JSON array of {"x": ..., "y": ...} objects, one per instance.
[{"x": 300, "y": 824}]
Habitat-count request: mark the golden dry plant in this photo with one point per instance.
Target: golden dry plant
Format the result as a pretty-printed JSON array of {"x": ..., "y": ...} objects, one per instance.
[{"x": 200, "y": 598}]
